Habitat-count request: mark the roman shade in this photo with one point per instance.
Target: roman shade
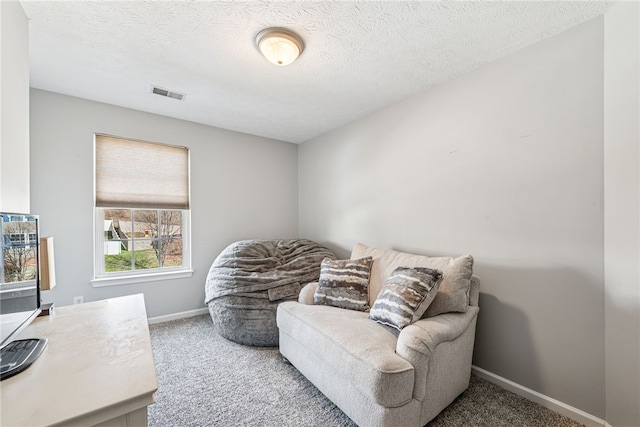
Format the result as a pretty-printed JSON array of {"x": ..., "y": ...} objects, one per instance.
[{"x": 138, "y": 174}]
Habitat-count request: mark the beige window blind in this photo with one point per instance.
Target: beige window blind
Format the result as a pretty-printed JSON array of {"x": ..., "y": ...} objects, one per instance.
[{"x": 138, "y": 174}]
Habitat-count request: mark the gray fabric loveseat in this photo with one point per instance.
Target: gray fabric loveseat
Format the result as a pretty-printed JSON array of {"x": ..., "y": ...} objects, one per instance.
[{"x": 376, "y": 374}]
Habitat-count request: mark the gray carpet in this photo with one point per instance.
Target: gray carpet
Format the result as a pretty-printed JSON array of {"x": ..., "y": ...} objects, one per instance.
[{"x": 205, "y": 380}]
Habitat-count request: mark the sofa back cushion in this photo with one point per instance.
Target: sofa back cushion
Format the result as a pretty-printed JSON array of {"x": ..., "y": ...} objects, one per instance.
[{"x": 453, "y": 292}]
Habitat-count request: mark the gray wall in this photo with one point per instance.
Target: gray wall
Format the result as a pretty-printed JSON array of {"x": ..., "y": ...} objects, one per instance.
[
  {"x": 242, "y": 187},
  {"x": 622, "y": 214},
  {"x": 505, "y": 163},
  {"x": 14, "y": 108}
]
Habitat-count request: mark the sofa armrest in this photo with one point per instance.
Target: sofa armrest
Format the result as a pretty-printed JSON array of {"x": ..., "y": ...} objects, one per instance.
[
  {"x": 474, "y": 291},
  {"x": 418, "y": 341},
  {"x": 306, "y": 294},
  {"x": 424, "y": 335}
]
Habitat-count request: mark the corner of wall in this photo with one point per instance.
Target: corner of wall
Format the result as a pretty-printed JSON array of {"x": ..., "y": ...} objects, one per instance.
[{"x": 622, "y": 213}]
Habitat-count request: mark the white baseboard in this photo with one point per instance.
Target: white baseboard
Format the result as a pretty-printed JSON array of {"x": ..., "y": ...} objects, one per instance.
[
  {"x": 539, "y": 398},
  {"x": 176, "y": 316}
]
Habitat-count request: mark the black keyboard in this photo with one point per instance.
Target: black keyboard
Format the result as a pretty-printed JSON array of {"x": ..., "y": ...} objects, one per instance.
[{"x": 18, "y": 355}]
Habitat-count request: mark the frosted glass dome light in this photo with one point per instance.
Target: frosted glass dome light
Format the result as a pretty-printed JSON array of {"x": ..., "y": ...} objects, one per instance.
[{"x": 281, "y": 47}]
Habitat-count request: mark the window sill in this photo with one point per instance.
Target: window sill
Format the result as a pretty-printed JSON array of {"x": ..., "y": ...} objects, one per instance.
[{"x": 140, "y": 278}]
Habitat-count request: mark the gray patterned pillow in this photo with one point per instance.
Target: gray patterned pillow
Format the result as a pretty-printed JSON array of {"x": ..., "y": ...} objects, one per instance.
[
  {"x": 405, "y": 296},
  {"x": 344, "y": 283}
]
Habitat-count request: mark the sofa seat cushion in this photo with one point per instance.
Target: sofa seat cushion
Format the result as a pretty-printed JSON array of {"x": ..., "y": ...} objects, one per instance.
[{"x": 353, "y": 346}]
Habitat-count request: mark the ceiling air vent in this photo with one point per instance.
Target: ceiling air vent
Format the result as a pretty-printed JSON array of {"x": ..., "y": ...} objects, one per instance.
[{"x": 168, "y": 93}]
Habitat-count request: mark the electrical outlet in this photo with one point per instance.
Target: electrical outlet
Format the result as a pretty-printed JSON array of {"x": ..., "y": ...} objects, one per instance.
[{"x": 78, "y": 300}]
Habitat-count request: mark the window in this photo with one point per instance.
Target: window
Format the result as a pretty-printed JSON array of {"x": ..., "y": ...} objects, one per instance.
[
  {"x": 17, "y": 239},
  {"x": 141, "y": 211}
]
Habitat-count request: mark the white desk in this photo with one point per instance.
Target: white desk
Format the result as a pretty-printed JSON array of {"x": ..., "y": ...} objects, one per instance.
[{"x": 97, "y": 369}]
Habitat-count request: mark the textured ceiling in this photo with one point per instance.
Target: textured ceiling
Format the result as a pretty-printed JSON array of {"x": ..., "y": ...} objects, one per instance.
[{"x": 359, "y": 56}]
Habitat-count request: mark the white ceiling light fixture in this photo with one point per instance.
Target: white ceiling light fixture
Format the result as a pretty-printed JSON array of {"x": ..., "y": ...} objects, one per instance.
[{"x": 280, "y": 46}]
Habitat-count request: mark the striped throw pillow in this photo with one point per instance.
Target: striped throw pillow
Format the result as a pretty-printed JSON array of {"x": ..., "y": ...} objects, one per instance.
[
  {"x": 405, "y": 296},
  {"x": 344, "y": 283}
]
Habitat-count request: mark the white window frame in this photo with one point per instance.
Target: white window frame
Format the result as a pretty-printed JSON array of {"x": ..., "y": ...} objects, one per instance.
[{"x": 102, "y": 278}]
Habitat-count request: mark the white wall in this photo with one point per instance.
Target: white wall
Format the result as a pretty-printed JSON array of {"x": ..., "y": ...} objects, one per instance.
[
  {"x": 622, "y": 213},
  {"x": 242, "y": 187},
  {"x": 505, "y": 163},
  {"x": 14, "y": 108}
]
